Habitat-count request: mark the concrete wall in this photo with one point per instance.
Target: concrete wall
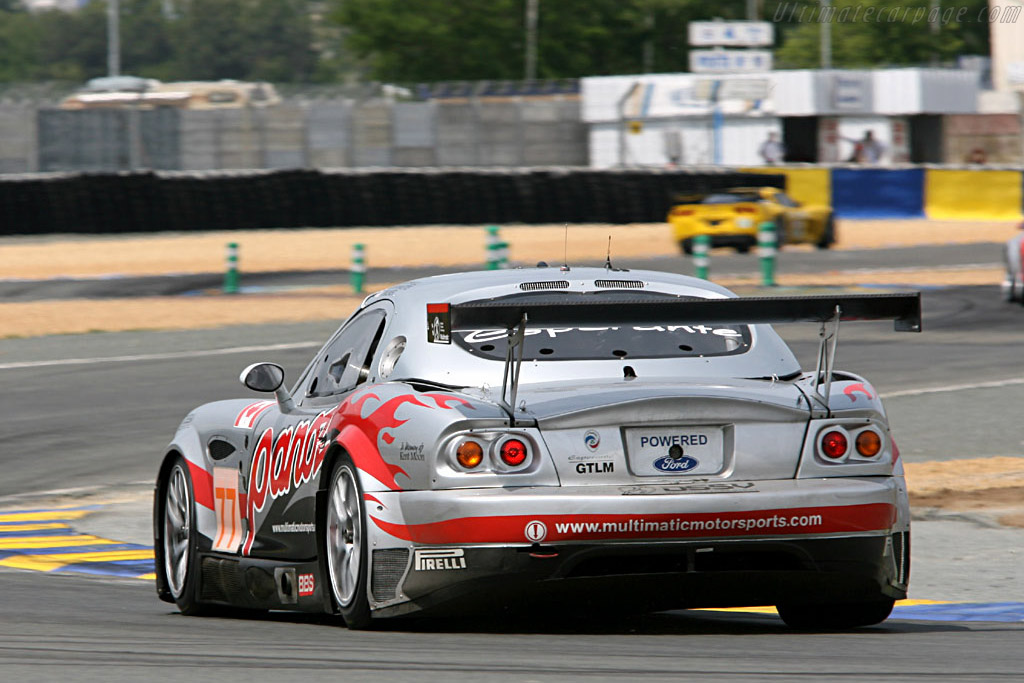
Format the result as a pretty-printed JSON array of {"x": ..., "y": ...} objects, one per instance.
[
  {"x": 18, "y": 151},
  {"x": 323, "y": 134}
]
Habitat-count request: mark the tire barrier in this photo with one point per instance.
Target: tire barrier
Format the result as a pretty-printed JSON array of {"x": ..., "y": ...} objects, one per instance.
[{"x": 194, "y": 201}]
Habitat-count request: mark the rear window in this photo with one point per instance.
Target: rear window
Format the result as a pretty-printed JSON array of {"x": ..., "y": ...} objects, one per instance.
[
  {"x": 552, "y": 342},
  {"x": 730, "y": 198}
]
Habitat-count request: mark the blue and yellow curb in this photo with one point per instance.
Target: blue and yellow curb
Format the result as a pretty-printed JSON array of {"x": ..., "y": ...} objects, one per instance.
[{"x": 44, "y": 540}]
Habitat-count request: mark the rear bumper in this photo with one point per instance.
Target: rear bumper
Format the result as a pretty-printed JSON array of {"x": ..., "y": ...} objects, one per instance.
[
  {"x": 652, "y": 577},
  {"x": 648, "y": 546}
]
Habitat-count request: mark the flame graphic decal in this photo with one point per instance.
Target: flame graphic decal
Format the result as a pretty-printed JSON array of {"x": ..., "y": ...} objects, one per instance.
[{"x": 358, "y": 434}]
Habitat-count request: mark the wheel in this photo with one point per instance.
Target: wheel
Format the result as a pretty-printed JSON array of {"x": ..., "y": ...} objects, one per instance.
[
  {"x": 180, "y": 539},
  {"x": 828, "y": 237},
  {"x": 836, "y": 616},
  {"x": 742, "y": 248},
  {"x": 687, "y": 246},
  {"x": 345, "y": 545}
]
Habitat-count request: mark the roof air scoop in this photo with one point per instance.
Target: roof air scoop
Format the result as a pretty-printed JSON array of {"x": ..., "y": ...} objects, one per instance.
[{"x": 548, "y": 284}]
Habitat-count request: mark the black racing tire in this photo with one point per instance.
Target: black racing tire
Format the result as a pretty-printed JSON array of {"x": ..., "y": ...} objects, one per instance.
[
  {"x": 180, "y": 540},
  {"x": 828, "y": 237},
  {"x": 836, "y": 616},
  {"x": 687, "y": 246},
  {"x": 345, "y": 546}
]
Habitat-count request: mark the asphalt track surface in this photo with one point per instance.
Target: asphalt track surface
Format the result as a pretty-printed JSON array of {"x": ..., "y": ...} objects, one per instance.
[{"x": 954, "y": 391}]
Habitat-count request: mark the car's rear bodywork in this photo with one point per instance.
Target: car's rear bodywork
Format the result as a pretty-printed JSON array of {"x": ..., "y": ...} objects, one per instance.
[{"x": 640, "y": 445}]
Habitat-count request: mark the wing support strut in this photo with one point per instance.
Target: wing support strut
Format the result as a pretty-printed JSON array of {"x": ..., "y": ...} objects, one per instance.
[
  {"x": 513, "y": 366},
  {"x": 828, "y": 336}
]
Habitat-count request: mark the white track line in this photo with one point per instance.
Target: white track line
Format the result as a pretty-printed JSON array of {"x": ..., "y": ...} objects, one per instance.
[
  {"x": 954, "y": 387},
  {"x": 307, "y": 345},
  {"x": 158, "y": 356}
]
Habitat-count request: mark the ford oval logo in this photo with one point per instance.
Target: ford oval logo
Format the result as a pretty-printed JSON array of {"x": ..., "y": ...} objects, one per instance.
[{"x": 683, "y": 464}]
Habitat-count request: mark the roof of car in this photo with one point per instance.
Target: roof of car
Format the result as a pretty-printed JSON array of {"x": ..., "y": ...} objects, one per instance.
[
  {"x": 484, "y": 284},
  {"x": 449, "y": 364}
]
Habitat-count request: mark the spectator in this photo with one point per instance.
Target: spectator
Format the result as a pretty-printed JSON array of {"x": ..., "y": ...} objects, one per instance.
[
  {"x": 977, "y": 156},
  {"x": 867, "y": 150},
  {"x": 771, "y": 150}
]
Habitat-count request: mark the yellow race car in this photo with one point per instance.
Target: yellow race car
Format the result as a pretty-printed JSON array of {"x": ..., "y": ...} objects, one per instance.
[{"x": 731, "y": 217}]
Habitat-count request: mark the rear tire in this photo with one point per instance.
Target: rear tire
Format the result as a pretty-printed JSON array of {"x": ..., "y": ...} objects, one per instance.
[
  {"x": 828, "y": 237},
  {"x": 345, "y": 544},
  {"x": 836, "y": 616},
  {"x": 180, "y": 564},
  {"x": 687, "y": 246},
  {"x": 743, "y": 248}
]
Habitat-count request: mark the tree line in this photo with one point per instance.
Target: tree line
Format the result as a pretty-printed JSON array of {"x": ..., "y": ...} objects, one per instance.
[{"x": 406, "y": 41}]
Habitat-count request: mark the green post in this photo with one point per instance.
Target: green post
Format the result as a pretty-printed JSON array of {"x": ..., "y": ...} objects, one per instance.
[
  {"x": 231, "y": 272},
  {"x": 701, "y": 257},
  {"x": 357, "y": 274},
  {"x": 767, "y": 248},
  {"x": 495, "y": 248}
]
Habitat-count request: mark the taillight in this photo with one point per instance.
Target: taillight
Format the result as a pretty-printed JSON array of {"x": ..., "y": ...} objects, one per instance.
[
  {"x": 868, "y": 443},
  {"x": 682, "y": 212},
  {"x": 745, "y": 209},
  {"x": 834, "y": 445},
  {"x": 469, "y": 454},
  {"x": 513, "y": 452}
]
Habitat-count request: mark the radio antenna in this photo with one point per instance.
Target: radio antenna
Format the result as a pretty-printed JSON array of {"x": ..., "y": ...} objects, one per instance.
[
  {"x": 565, "y": 248},
  {"x": 608, "y": 258}
]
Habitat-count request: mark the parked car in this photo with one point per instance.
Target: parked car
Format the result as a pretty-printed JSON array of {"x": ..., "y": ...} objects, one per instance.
[
  {"x": 732, "y": 218},
  {"x": 623, "y": 440},
  {"x": 1013, "y": 256}
]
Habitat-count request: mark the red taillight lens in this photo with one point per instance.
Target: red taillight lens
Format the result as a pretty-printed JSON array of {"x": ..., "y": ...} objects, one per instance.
[
  {"x": 469, "y": 454},
  {"x": 834, "y": 445},
  {"x": 513, "y": 452},
  {"x": 745, "y": 209},
  {"x": 682, "y": 212},
  {"x": 868, "y": 443}
]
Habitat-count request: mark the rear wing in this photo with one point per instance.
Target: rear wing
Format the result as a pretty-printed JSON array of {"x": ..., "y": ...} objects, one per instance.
[
  {"x": 827, "y": 310},
  {"x": 903, "y": 309}
]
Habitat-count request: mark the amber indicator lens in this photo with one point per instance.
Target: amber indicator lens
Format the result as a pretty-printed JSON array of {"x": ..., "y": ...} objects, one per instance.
[
  {"x": 513, "y": 452},
  {"x": 869, "y": 443},
  {"x": 834, "y": 445},
  {"x": 469, "y": 454}
]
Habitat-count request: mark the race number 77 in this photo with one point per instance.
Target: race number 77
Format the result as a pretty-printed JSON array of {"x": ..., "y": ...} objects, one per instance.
[{"x": 227, "y": 509}]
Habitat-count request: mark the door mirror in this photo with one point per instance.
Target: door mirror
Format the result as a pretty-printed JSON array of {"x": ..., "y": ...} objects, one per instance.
[{"x": 265, "y": 377}]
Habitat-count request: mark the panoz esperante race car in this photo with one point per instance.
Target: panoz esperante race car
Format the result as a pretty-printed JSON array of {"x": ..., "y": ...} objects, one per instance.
[{"x": 606, "y": 439}]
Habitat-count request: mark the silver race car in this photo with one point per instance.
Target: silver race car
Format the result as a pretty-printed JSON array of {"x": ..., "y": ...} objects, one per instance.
[
  {"x": 581, "y": 439},
  {"x": 1013, "y": 281}
]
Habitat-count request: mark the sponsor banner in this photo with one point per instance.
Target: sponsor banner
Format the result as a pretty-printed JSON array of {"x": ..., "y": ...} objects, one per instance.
[
  {"x": 440, "y": 559},
  {"x": 878, "y": 192},
  {"x": 973, "y": 195},
  {"x": 666, "y": 526},
  {"x": 733, "y": 33}
]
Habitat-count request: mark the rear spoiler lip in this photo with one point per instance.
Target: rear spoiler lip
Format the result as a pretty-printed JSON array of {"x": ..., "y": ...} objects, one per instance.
[{"x": 903, "y": 309}]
